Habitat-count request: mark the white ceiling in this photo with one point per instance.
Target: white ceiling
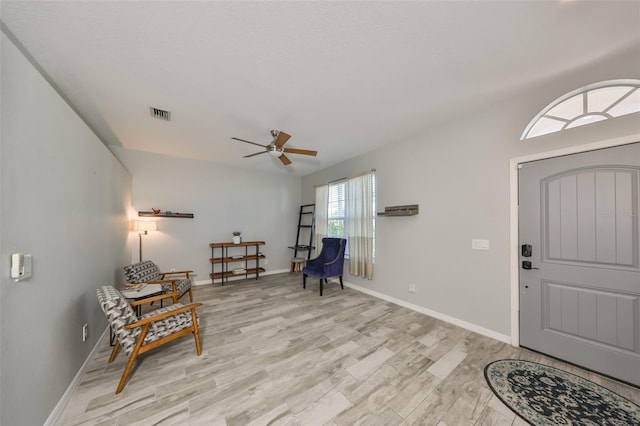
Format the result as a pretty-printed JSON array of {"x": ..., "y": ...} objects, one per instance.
[{"x": 340, "y": 77}]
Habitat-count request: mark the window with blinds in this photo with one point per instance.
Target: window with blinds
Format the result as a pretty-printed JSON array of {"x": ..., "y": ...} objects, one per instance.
[{"x": 337, "y": 209}]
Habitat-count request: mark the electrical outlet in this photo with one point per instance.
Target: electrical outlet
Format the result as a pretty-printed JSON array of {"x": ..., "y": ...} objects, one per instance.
[
  {"x": 266, "y": 261},
  {"x": 412, "y": 288},
  {"x": 85, "y": 332}
]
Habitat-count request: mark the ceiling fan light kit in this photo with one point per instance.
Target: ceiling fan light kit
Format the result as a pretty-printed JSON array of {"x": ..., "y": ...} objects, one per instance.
[
  {"x": 275, "y": 148},
  {"x": 275, "y": 152}
]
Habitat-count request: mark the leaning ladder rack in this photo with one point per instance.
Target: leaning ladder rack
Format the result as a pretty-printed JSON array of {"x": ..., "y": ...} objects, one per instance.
[{"x": 306, "y": 221}]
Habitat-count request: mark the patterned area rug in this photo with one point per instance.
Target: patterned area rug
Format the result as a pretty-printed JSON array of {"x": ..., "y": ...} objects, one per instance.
[{"x": 544, "y": 395}]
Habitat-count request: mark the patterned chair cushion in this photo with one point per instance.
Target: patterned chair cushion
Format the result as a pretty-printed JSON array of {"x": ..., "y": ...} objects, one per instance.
[
  {"x": 182, "y": 286},
  {"x": 169, "y": 325},
  {"x": 142, "y": 272},
  {"x": 119, "y": 313}
]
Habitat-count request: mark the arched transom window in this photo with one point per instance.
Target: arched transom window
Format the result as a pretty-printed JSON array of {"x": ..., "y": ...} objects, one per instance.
[{"x": 597, "y": 102}]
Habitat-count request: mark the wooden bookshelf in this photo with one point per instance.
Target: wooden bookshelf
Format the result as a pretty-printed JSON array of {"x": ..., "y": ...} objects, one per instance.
[{"x": 224, "y": 253}]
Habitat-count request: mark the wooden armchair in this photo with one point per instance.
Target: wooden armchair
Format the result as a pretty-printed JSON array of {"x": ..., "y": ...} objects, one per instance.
[
  {"x": 137, "y": 335},
  {"x": 148, "y": 272}
]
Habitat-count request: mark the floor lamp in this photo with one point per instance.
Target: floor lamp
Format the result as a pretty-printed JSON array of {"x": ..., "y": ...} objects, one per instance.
[{"x": 143, "y": 226}]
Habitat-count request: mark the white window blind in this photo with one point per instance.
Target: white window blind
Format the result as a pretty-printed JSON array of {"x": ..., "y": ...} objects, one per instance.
[
  {"x": 346, "y": 209},
  {"x": 337, "y": 209}
]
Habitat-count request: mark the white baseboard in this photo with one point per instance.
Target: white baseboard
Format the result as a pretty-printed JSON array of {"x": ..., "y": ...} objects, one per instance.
[
  {"x": 54, "y": 417},
  {"x": 241, "y": 277},
  {"x": 455, "y": 321},
  {"x": 452, "y": 320}
]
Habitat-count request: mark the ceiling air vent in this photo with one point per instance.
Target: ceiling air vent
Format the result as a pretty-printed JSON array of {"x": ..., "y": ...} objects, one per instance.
[{"x": 160, "y": 114}]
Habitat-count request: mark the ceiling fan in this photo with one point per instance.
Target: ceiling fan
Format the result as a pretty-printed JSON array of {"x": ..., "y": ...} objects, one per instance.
[{"x": 276, "y": 147}]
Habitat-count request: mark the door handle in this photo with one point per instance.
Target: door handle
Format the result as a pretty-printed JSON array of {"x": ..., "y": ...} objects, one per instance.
[{"x": 527, "y": 265}]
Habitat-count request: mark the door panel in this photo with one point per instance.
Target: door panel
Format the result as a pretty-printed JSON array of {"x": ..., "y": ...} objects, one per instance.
[
  {"x": 581, "y": 300},
  {"x": 573, "y": 229},
  {"x": 590, "y": 314}
]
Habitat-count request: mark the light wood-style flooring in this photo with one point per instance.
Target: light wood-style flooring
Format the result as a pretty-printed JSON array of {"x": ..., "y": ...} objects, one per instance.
[{"x": 276, "y": 354}]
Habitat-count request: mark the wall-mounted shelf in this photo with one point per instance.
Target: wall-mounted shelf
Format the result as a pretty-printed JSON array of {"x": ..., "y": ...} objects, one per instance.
[
  {"x": 408, "y": 210},
  {"x": 166, "y": 214}
]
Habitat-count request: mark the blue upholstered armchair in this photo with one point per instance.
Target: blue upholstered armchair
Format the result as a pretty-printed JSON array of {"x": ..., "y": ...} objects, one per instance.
[{"x": 329, "y": 263}]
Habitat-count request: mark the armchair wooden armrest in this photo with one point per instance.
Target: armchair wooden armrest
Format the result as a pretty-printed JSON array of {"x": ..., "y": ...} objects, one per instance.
[
  {"x": 173, "y": 294},
  {"x": 158, "y": 281},
  {"x": 163, "y": 274},
  {"x": 135, "y": 303},
  {"x": 163, "y": 315},
  {"x": 161, "y": 281},
  {"x": 174, "y": 283}
]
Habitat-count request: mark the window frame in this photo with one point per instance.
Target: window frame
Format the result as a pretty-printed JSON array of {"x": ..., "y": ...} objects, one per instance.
[
  {"x": 345, "y": 222},
  {"x": 587, "y": 116}
]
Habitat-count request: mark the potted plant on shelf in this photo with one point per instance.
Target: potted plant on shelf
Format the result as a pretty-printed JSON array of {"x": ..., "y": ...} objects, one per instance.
[{"x": 237, "y": 239}]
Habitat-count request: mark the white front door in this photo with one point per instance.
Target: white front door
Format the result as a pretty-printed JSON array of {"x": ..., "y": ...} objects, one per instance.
[{"x": 580, "y": 292}]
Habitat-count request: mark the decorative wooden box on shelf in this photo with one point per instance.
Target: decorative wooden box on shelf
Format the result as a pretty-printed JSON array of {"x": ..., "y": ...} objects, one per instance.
[
  {"x": 225, "y": 257},
  {"x": 408, "y": 210}
]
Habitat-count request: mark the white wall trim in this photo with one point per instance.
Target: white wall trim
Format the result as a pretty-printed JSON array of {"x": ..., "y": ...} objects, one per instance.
[
  {"x": 241, "y": 277},
  {"x": 513, "y": 213},
  {"x": 455, "y": 321},
  {"x": 54, "y": 417}
]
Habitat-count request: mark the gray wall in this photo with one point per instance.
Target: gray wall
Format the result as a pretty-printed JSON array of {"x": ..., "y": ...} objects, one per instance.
[
  {"x": 264, "y": 206},
  {"x": 65, "y": 199},
  {"x": 458, "y": 173}
]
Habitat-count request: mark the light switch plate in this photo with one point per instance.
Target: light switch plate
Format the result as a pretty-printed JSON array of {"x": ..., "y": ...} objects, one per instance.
[{"x": 480, "y": 244}]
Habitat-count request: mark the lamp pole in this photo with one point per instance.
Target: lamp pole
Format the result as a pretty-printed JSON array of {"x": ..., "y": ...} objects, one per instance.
[
  {"x": 143, "y": 227},
  {"x": 140, "y": 245}
]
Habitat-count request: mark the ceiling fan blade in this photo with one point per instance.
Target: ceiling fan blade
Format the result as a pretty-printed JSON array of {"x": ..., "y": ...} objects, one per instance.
[
  {"x": 285, "y": 160},
  {"x": 281, "y": 139},
  {"x": 253, "y": 155},
  {"x": 301, "y": 151},
  {"x": 253, "y": 143}
]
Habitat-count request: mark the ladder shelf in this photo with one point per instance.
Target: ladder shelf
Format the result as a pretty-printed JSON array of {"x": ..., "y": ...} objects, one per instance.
[{"x": 306, "y": 229}]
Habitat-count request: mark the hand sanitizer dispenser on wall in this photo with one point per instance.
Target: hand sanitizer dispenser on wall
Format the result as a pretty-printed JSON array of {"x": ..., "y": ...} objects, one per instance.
[{"x": 20, "y": 266}]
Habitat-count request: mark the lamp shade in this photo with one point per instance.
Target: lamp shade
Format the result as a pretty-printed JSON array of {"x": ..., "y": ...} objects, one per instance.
[{"x": 145, "y": 225}]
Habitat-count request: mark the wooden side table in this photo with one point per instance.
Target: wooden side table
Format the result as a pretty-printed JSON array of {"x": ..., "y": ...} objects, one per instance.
[{"x": 142, "y": 293}]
